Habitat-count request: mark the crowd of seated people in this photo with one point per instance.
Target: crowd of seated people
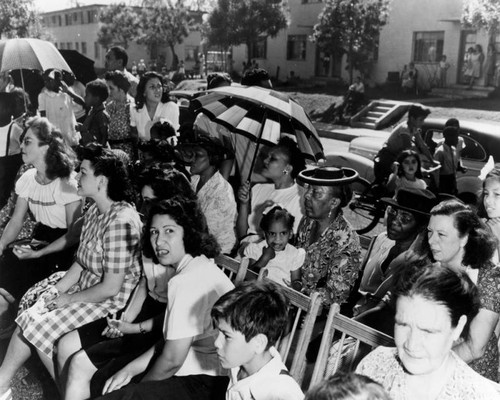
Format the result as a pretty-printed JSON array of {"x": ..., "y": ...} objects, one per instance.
[{"x": 117, "y": 292}]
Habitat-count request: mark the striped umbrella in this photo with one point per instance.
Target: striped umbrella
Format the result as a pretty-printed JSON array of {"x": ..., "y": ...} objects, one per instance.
[{"x": 262, "y": 115}]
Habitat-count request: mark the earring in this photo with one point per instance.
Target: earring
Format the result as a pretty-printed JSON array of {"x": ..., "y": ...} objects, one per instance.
[
  {"x": 285, "y": 172},
  {"x": 330, "y": 213}
]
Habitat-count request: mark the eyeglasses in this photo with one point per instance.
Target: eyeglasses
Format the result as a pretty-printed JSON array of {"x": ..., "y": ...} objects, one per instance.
[{"x": 404, "y": 217}]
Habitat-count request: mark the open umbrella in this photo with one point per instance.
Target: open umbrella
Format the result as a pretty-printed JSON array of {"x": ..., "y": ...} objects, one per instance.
[
  {"x": 82, "y": 66},
  {"x": 30, "y": 54},
  {"x": 262, "y": 115}
]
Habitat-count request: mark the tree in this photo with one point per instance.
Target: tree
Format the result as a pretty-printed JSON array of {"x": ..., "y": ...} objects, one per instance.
[
  {"x": 235, "y": 22},
  {"x": 482, "y": 14},
  {"x": 17, "y": 18},
  {"x": 351, "y": 27},
  {"x": 118, "y": 24},
  {"x": 165, "y": 23}
]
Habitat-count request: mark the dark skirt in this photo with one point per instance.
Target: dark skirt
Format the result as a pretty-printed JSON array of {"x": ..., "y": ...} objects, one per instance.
[
  {"x": 17, "y": 276},
  {"x": 9, "y": 165},
  {"x": 110, "y": 355}
]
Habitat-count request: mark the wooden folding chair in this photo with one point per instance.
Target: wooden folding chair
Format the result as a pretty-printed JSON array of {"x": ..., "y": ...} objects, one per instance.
[
  {"x": 349, "y": 328},
  {"x": 234, "y": 269},
  {"x": 304, "y": 310}
]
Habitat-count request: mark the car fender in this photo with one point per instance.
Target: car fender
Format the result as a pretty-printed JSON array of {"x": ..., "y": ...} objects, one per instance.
[{"x": 363, "y": 165}]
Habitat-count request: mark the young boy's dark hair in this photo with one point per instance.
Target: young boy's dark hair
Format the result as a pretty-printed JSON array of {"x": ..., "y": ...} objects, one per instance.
[
  {"x": 277, "y": 213},
  {"x": 99, "y": 89},
  {"x": 253, "y": 308},
  {"x": 450, "y": 135}
]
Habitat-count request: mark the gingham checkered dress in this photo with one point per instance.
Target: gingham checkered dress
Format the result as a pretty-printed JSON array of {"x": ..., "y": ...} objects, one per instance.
[{"x": 109, "y": 243}]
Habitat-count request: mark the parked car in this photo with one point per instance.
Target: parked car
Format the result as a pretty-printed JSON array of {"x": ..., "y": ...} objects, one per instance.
[{"x": 481, "y": 139}]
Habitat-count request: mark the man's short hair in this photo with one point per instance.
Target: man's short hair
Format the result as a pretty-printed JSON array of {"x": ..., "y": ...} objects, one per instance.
[
  {"x": 98, "y": 88},
  {"x": 120, "y": 54},
  {"x": 254, "y": 308},
  {"x": 256, "y": 77}
]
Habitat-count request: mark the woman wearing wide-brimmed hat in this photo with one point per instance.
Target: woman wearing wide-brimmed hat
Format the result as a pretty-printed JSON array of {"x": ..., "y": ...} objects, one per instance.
[{"x": 333, "y": 251}]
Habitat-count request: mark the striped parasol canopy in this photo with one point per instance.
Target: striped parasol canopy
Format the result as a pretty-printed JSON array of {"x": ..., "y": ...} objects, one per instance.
[
  {"x": 262, "y": 115},
  {"x": 30, "y": 54}
]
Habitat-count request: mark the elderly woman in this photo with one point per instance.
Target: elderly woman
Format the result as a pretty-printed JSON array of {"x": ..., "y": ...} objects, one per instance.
[
  {"x": 215, "y": 194},
  {"x": 281, "y": 166},
  {"x": 434, "y": 307},
  {"x": 333, "y": 251},
  {"x": 120, "y": 134},
  {"x": 459, "y": 240},
  {"x": 100, "y": 281}
]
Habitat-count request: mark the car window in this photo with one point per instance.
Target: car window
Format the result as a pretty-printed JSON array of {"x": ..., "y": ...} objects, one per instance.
[{"x": 473, "y": 150}]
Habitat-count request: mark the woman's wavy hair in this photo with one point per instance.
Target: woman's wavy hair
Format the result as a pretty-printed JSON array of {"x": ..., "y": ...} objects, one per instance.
[
  {"x": 60, "y": 158},
  {"x": 295, "y": 157},
  {"x": 444, "y": 286},
  {"x": 119, "y": 79},
  {"x": 106, "y": 163},
  {"x": 493, "y": 174},
  {"x": 140, "y": 99},
  {"x": 481, "y": 244},
  {"x": 166, "y": 182},
  {"x": 187, "y": 214}
]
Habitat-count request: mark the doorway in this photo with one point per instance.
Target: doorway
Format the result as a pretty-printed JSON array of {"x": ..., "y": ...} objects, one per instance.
[{"x": 467, "y": 39}]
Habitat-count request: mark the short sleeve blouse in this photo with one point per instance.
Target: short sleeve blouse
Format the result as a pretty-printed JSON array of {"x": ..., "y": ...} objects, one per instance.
[
  {"x": 164, "y": 112},
  {"x": 48, "y": 202}
]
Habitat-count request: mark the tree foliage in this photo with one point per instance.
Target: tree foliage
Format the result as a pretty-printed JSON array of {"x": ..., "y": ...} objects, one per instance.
[
  {"x": 482, "y": 14},
  {"x": 235, "y": 22},
  {"x": 351, "y": 27},
  {"x": 118, "y": 24},
  {"x": 165, "y": 23},
  {"x": 17, "y": 18}
]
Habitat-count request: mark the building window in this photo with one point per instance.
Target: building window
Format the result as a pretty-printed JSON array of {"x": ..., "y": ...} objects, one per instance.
[
  {"x": 97, "y": 51},
  {"x": 62, "y": 46},
  {"x": 69, "y": 45},
  {"x": 259, "y": 49},
  {"x": 81, "y": 17},
  {"x": 75, "y": 17},
  {"x": 296, "y": 47},
  {"x": 84, "y": 48},
  {"x": 428, "y": 46},
  {"x": 77, "y": 46},
  {"x": 60, "y": 20},
  {"x": 54, "y": 20},
  {"x": 67, "y": 19},
  {"x": 191, "y": 53},
  {"x": 90, "y": 16}
]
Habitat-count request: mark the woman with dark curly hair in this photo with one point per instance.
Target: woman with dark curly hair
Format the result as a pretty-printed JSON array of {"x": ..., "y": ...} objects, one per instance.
[
  {"x": 184, "y": 364},
  {"x": 458, "y": 239},
  {"x": 100, "y": 281},
  {"x": 49, "y": 192},
  {"x": 152, "y": 104},
  {"x": 99, "y": 349},
  {"x": 281, "y": 166}
]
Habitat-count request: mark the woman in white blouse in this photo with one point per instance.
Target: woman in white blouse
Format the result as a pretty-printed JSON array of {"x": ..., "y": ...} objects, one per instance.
[{"x": 152, "y": 104}]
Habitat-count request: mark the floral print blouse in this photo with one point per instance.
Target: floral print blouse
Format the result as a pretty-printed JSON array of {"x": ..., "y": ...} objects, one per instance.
[{"x": 333, "y": 262}]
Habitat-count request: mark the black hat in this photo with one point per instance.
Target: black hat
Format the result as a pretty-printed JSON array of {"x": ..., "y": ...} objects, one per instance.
[
  {"x": 328, "y": 176},
  {"x": 416, "y": 201}
]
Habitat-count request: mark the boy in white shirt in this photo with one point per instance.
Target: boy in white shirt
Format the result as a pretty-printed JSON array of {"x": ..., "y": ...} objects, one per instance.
[{"x": 251, "y": 318}]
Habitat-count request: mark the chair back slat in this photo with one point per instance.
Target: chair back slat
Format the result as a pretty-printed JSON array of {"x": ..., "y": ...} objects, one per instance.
[
  {"x": 305, "y": 310},
  {"x": 354, "y": 330},
  {"x": 234, "y": 269}
]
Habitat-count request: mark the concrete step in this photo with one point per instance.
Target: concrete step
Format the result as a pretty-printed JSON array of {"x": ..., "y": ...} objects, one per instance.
[{"x": 463, "y": 92}]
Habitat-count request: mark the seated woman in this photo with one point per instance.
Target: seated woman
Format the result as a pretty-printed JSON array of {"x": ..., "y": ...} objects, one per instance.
[
  {"x": 281, "y": 166},
  {"x": 215, "y": 194},
  {"x": 459, "y": 240},
  {"x": 100, "y": 281},
  {"x": 99, "y": 349},
  {"x": 434, "y": 307},
  {"x": 184, "y": 365},
  {"x": 152, "y": 104},
  {"x": 49, "y": 191},
  {"x": 333, "y": 251}
]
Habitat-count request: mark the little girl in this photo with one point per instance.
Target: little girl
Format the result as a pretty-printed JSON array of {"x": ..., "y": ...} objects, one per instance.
[
  {"x": 406, "y": 172},
  {"x": 282, "y": 260}
]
